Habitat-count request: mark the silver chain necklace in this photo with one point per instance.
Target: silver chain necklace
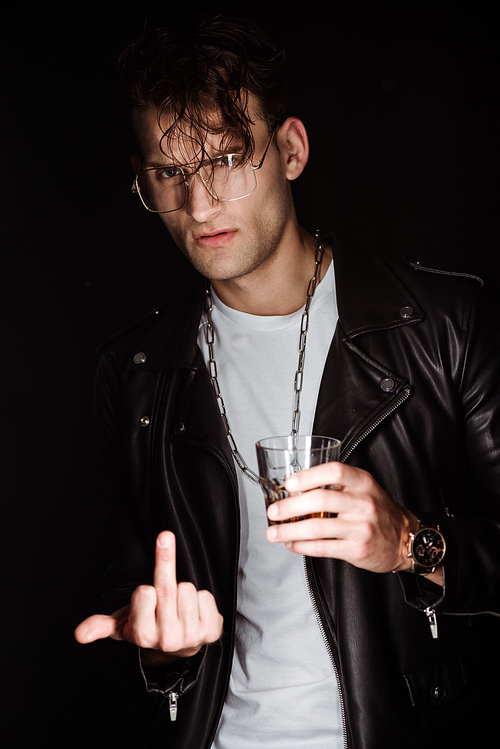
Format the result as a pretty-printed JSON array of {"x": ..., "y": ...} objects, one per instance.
[{"x": 299, "y": 374}]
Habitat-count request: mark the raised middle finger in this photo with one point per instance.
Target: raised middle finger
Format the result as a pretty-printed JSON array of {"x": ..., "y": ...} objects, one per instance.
[{"x": 165, "y": 577}]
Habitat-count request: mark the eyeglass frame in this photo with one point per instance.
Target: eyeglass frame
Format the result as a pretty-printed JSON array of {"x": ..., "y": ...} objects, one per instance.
[{"x": 135, "y": 189}]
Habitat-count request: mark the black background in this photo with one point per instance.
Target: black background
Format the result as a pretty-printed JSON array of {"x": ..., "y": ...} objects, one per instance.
[{"x": 400, "y": 102}]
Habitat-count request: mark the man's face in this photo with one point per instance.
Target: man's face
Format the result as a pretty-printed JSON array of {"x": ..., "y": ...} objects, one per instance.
[{"x": 223, "y": 240}]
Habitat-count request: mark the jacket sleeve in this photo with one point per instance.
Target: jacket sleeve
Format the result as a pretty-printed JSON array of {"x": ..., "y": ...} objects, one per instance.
[{"x": 472, "y": 532}]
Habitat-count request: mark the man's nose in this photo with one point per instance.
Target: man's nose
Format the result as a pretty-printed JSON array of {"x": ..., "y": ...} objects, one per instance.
[{"x": 201, "y": 204}]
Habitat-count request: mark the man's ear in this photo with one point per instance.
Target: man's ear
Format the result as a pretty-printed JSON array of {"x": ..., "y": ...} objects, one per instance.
[
  {"x": 136, "y": 162},
  {"x": 293, "y": 144}
]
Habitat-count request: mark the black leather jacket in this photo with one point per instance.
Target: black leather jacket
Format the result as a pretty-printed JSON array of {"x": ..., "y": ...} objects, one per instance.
[{"x": 411, "y": 389}]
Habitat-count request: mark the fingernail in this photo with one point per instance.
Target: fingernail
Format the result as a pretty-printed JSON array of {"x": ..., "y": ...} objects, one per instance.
[
  {"x": 272, "y": 532},
  {"x": 291, "y": 482},
  {"x": 164, "y": 540},
  {"x": 272, "y": 511}
]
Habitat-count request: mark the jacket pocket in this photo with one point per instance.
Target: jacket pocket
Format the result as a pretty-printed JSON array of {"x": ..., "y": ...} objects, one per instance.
[{"x": 437, "y": 685}]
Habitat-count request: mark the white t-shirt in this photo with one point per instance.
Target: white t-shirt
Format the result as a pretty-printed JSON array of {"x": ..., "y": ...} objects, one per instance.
[{"x": 283, "y": 692}]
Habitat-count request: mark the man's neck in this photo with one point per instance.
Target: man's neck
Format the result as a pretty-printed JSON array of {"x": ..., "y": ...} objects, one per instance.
[{"x": 279, "y": 286}]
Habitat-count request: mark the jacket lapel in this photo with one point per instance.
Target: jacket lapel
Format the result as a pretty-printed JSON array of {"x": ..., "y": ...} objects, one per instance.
[
  {"x": 357, "y": 391},
  {"x": 168, "y": 338}
]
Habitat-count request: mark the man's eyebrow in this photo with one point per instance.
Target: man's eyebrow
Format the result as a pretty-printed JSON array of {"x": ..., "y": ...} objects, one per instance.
[
  {"x": 170, "y": 165},
  {"x": 230, "y": 148},
  {"x": 234, "y": 148},
  {"x": 161, "y": 164}
]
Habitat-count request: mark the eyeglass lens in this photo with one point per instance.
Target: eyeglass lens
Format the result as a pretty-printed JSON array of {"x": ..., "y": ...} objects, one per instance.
[{"x": 226, "y": 178}]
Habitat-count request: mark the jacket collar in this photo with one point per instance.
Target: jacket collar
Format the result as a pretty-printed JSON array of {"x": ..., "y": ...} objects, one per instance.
[
  {"x": 369, "y": 297},
  {"x": 166, "y": 339}
]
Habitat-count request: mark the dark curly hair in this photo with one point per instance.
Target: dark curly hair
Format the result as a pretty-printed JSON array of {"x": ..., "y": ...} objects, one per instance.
[{"x": 201, "y": 76}]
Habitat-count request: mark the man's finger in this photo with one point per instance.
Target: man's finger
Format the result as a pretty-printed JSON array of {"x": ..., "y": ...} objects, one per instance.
[
  {"x": 210, "y": 618},
  {"x": 97, "y": 627},
  {"x": 165, "y": 580},
  {"x": 141, "y": 626},
  {"x": 325, "y": 547},
  {"x": 165, "y": 575},
  {"x": 189, "y": 614},
  {"x": 327, "y": 474},
  {"x": 307, "y": 530},
  {"x": 315, "y": 501}
]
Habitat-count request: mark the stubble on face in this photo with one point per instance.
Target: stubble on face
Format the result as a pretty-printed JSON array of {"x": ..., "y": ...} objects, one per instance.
[{"x": 256, "y": 239}]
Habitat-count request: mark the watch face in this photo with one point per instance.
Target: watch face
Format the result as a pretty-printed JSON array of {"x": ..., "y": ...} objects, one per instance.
[{"x": 428, "y": 547}]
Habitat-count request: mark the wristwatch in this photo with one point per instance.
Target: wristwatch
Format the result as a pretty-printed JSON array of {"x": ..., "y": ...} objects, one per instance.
[{"x": 426, "y": 549}]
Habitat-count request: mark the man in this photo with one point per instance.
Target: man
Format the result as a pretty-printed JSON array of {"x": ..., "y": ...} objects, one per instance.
[{"x": 354, "y": 629}]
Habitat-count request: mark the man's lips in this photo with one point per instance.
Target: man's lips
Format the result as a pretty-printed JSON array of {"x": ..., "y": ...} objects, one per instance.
[{"x": 215, "y": 238}]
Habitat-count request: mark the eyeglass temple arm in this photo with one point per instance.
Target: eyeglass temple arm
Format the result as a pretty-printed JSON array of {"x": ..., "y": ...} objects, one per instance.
[{"x": 265, "y": 153}]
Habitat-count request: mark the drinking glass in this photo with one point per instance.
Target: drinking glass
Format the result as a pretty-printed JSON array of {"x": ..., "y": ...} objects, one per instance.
[{"x": 280, "y": 457}]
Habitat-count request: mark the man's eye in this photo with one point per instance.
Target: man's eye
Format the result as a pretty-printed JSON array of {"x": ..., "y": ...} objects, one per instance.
[{"x": 169, "y": 173}]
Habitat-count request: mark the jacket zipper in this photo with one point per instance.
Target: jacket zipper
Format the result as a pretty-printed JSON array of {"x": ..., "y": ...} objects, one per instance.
[
  {"x": 172, "y": 704},
  {"x": 369, "y": 429},
  {"x": 431, "y": 614},
  {"x": 329, "y": 651}
]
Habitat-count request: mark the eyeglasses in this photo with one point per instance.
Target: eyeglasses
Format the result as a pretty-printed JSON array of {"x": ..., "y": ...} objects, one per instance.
[{"x": 228, "y": 177}]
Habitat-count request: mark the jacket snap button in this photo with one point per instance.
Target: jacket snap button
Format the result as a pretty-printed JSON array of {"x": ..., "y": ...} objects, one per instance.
[
  {"x": 406, "y": 312},
  {"x": 387, "y": 385},
  {"x": 145, "y": 421},
  {"x": 179, "y": 428},
  {"x": 139, "y": 358},
  {"x": 439, "y": 693}
]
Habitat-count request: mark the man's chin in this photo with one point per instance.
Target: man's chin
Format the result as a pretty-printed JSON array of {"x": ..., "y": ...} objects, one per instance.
[{"x": 215, "y": 267}]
